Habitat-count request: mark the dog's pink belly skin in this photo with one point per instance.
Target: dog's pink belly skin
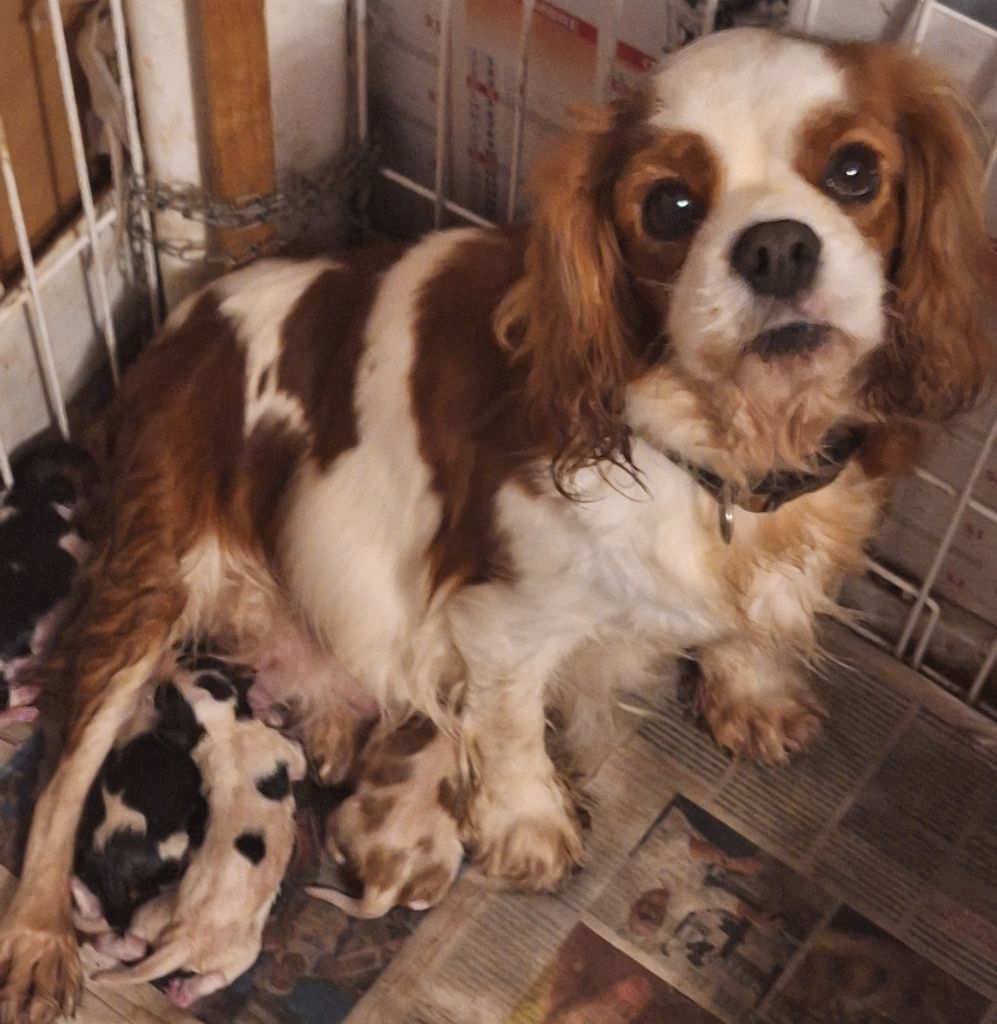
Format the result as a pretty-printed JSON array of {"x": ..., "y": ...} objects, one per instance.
[{"x": 291, "y": 664}]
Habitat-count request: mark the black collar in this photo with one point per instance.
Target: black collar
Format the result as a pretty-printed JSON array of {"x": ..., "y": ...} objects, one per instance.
[{"x": 777, "y": 486}]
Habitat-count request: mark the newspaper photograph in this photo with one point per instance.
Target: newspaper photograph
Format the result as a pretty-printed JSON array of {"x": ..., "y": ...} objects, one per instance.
[
  {"x": 592, "y": 982},
  {"x": 854, "y": 973},
  {"x": 708, "y": 911}
]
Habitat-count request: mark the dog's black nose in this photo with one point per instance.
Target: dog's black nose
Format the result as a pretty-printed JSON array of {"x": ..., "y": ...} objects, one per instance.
[{"x": 777, "y": 257}]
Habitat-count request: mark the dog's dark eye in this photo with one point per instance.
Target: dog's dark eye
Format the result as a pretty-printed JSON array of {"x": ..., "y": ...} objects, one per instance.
[
  {"x": 671, "y": 211},
  {"x": 852, "y": 176}
]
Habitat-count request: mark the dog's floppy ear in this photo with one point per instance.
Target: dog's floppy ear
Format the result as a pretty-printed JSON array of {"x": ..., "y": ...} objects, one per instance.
[
  {"x": 570, "y": 317},
  {"x": 940, "y": 355}
]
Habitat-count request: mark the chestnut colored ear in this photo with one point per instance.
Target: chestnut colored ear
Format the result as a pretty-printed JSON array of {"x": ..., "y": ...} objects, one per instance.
[
  {"x": 570, "y": 318},
  {"x": 940, "y": 356}
]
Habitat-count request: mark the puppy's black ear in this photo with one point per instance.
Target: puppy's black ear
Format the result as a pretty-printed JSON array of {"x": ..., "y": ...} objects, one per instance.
[
  {"x": 177, "y": 723},
  {"x": 58, "y": 471},
  {"x": 221, "y": 688}
]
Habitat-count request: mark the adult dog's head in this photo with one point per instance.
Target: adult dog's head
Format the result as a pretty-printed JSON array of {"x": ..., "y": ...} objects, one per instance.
[{"x": 777, "y": 237}]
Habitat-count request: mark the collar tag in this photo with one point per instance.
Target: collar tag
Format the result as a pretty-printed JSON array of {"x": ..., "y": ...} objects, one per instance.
[{"x": 725, "y": 505}]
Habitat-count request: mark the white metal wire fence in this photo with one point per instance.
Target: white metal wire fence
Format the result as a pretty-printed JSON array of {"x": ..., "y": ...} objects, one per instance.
[{"x": 86, "y": 248}]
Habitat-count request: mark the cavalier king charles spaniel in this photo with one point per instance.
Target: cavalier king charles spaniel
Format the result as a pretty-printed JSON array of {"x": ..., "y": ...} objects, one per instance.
[{"x": 498, "y": 470}]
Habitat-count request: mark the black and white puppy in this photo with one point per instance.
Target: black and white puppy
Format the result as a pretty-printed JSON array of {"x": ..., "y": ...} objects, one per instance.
[
  {"x": 145, "y": 813},
  {"x": 211, "y": 924},
  {"x": 40, "y": 553},
  {"x": 144, "y": 816}
]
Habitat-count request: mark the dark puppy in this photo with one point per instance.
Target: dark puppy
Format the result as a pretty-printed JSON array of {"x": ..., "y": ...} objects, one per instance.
[
  {"x": 40, "y": 553},
  {"x": 144, "y": 816}
]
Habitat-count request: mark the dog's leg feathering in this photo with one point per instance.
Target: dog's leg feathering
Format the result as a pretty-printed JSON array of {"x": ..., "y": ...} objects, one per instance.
[{"x": 521, "y": 820}]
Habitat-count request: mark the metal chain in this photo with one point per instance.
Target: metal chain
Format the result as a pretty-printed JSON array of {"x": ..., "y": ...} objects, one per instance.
[
  {"x": 343, "y": 186},
  {"x": 194, "y": 204},
  {"x": 192, "y": 252}
]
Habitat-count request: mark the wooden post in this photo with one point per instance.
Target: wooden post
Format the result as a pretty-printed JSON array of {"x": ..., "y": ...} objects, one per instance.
[{"x": 237, "y": 125}]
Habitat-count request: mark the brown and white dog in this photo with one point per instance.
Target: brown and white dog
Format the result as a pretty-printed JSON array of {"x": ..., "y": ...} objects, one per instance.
[{"x": 496, "y": 469}]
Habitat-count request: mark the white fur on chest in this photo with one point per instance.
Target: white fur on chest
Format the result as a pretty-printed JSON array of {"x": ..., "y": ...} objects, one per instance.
[
  {"x": 625, "y": 558},
  {"x": 628, "y": 563}
]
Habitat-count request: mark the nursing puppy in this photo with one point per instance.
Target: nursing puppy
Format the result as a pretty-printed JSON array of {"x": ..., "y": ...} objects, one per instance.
[
  {"x": 211, "y": 924},
  {"x": 399, "y": 832},
  {"x": 144, "y": 817},
  {"x": 40, "y": 553}
]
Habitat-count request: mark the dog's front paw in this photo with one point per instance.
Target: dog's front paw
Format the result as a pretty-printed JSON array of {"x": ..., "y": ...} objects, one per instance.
[
  {"x": 528, "y": 835},
  {"x": 329, "y": 736},
  {"x": 41, "y": 974},
  {"x": 767, "y": 729}
]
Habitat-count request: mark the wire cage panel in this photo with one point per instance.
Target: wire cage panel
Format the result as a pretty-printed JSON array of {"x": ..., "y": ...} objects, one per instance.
[{"x": 45, "y": 344}]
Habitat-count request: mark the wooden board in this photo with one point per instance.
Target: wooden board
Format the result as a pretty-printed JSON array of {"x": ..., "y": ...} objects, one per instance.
[
  {"x": 37, "y": 128},
  {"x": 237, "y": 127}
]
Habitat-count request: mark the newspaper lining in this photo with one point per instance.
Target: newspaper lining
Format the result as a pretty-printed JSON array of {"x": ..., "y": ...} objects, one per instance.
[{"x": 857, "y": 884}]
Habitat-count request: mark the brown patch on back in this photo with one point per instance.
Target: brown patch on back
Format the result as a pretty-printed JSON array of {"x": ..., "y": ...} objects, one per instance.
[
  {"x": 180, "y": 412},
  {"x": 474, "y": 430},
  {"x": 273, "y": 453},
  {"x": 387, "y": 772},
  {"x": 322, "y": 343},
  {"x": 188, "y": 388}
]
